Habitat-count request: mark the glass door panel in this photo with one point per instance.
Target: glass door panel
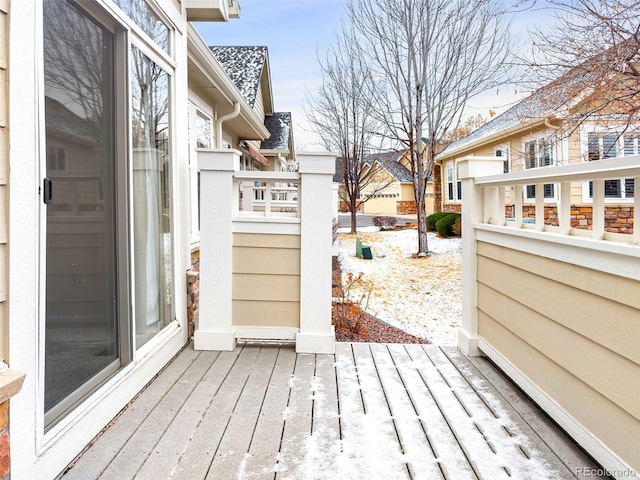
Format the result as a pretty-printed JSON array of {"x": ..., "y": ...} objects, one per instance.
[
  {"x": 151, "y": 197},
  {"x": 82, "y": 332}
]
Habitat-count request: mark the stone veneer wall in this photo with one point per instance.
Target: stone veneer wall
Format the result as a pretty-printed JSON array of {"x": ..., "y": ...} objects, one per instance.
[
  {"x": 617, "y": 218},
  {"x": 437, "y": 192},
  {"x": 406, "y": 207},
  {"x": 5, "y": 449},
  {"x": 193, "y": 290},
  {"x": 452, "y": 207},
  {"x": 343, "y": 207}
]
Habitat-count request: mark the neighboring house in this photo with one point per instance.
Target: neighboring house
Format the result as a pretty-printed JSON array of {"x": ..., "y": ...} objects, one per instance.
[
  {"x": 389, "y": 189},
  {"x": 540, "y": 132},
  {"x": 108, "y": 103},
  {"x": 279, "y": 147}
]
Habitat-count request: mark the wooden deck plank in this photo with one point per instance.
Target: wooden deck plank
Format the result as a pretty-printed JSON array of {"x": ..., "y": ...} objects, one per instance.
[
  {"x": 167, "y": 454},
  {"x": 265, "y": 443},
  {"x": 371, "y": 437},
  {"x": 542, "y": 426},
  {"x": 97, "y": 458},
  {"x": 232, "y": 453},
  {"x": 298, "y": 419},
  {"x": 415, "y": 445},
  {"x": 140, "y": 445},
  {"x": 196, "y": 460},
  {"x": 484, "y": 461},
  {"x": 442, "y": 439}
]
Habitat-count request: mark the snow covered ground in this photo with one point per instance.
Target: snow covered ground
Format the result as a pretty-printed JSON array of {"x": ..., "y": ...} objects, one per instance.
[{"x": 422, "y": 296}]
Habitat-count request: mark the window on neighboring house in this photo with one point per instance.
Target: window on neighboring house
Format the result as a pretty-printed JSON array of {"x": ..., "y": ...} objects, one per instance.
[
  {"x": 56, "y": 157},
  {"x": 503, "y": 152},
  {"x": 603, "y": 145},
  {"x": 450, "y": 181},
  {"x": 458, "y": 184},
  {"x": 538, "y": 153}
]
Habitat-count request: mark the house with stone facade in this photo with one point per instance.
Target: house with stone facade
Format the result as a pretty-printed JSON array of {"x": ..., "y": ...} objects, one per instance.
[
  {"x": 107, "y": 199},
  {"x": 540, "y": 132}
]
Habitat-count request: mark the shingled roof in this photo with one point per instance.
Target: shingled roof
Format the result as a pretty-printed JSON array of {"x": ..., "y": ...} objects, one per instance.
[
  {"x": 244, "y": 66},
  {"x": 390, "y": 161},
  {"x": 279, "y": 126}
]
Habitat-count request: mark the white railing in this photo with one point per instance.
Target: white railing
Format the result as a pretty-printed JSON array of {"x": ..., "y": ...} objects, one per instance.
[
  {"x": 495, "y": 185},
  {"x": 268, "y": 194}
]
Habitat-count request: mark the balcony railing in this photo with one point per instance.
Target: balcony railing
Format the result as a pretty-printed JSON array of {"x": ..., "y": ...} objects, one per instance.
[{"x": 554, "y": 305}]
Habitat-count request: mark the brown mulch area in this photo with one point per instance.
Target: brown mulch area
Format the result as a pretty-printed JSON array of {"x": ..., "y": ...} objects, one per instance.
[{"x": 375, "y": 331}]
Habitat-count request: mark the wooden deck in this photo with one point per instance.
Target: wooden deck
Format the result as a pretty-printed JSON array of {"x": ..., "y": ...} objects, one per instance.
[{"x": 371, "y": 411}]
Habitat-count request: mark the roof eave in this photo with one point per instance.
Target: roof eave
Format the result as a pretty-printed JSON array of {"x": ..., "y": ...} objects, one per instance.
[{"x": 456, "y": 152}]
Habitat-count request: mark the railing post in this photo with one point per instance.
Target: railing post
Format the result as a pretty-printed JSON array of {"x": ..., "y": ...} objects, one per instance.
[
  {"x": 214, "y": 330},
  {"x": 248, "y": 195},
  {"x": 473, "y": 211},
  {"x": 315, "y": 195}
]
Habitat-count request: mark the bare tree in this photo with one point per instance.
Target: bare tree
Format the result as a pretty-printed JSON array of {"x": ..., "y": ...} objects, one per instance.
[
  {"x": 341, "y": 113},
  {"x": 590, "y": 59},
  {"x": 432, "y": 56}
]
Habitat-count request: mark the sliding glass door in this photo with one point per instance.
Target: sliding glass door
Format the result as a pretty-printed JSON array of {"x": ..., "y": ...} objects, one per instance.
[{"x": 83, "y": 334}]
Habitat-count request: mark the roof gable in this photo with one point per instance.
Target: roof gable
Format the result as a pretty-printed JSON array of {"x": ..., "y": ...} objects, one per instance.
[{"x": 244, "y": 65}]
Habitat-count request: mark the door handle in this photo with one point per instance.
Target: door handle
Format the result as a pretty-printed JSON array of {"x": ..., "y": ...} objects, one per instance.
[{"x": 47, "y": 190}]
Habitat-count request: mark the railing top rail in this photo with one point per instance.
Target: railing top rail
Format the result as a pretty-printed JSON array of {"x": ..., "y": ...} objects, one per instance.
[
  {"x": 622, "y": 167},
  {"x": 262, "y": 176}
]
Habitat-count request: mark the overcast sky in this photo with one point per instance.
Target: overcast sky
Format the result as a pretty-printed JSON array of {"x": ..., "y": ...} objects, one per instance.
[{"x": 295, "y": 31}]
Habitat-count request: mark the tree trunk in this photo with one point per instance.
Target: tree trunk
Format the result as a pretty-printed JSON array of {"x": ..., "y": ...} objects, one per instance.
[
  {"x": 353, "y": 209},
  {"x": 423, "y": 244}
]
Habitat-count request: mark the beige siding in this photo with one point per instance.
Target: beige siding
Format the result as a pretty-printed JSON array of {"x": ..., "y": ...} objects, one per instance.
[
  {"x": 406, "y": 191},
  {"x": 574, "y": 332},
  {"x": 258, "y": 106},
  {"x": 4, "y": 172},
  {"x": 266, "y": 280}
]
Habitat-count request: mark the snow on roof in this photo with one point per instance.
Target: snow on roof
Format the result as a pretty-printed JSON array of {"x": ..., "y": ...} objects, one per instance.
[
  {"x": 279, "y": 126},
  {"x": 244, "y": 67},
  {"x": 62, "y": 120}
]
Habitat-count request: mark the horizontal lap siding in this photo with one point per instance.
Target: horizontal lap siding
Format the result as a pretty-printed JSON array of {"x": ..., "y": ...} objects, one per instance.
[
  {"x": 574, "y": 332},
  {"x": 266, "y": 280}
]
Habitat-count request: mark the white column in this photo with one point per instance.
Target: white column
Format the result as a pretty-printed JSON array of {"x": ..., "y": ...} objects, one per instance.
[
  {"x": 473, "y": 210},
  {"x": 335, "y": 199},
  {"x": 215, "y": 330},
  {"x": 316, "y": 332}
]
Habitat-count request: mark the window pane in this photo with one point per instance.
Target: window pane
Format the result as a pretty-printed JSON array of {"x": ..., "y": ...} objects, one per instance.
[
  {"x": 530, "y": 154},
  {"x": 203, "y": 130},
  {"x": 531, "y": 191},
  {"x": 593, "y": 146},
  {"x": 143, "y": 16},
  {"x": 609, "y": 146},
  {"x": 629, "y": 184},
  {"x": 151, "y": 197},
  {"x": 547, "y": 152},
  {"x": 549, "y": 190},
  {"x": 612, "y": 188}
]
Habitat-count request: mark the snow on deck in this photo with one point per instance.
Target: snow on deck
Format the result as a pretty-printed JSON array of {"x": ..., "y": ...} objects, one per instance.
[{"x": 372, "y": 411}]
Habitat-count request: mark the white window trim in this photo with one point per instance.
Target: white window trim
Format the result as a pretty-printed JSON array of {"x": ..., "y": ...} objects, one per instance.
[
  {"x": 584, "y": 157},
  {"x": 502, "y": 148},
  {"x": 556, "y": 146}
]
